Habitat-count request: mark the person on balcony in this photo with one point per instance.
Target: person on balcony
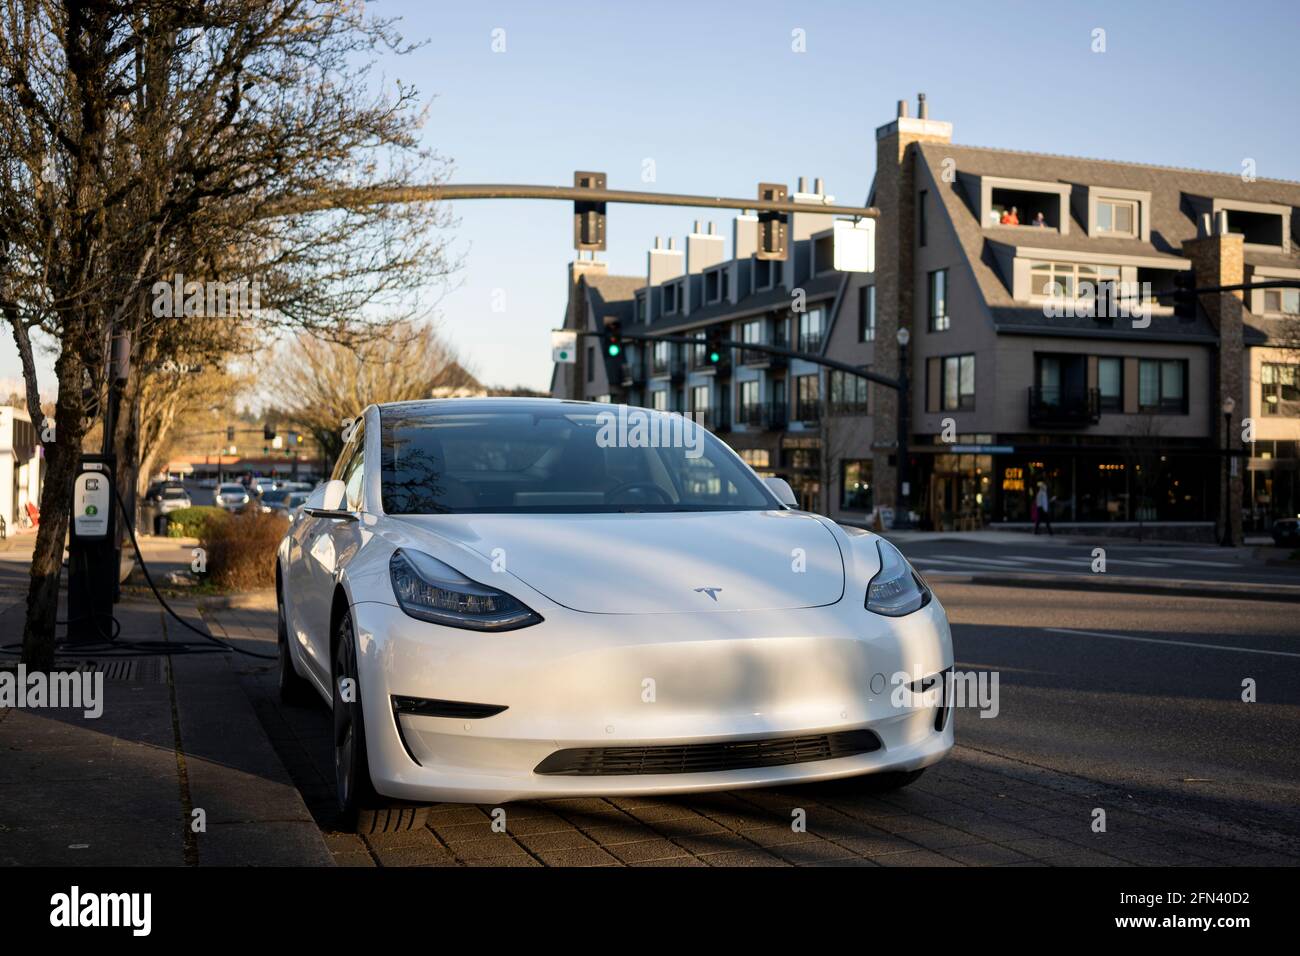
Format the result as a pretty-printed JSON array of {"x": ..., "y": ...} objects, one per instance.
[
  {"x": 1011, "y": 217},
  {"x": 1040, "y": 221}
]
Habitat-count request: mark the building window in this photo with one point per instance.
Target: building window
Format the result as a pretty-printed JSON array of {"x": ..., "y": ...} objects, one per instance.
[
  {"x": 659, "y": 400},
  {"x": 957, "y": 383},
  {"x": 855, "y": 485},
  {"x": 1117, "y": 217},
  {"x": 756, "y": 458},
  {"x": 1110, "y": 384},
  {"x": 661, "y": 358},
  {"x": 1282, "y": 301},
  {"x": 1280, "y": 390},
  {"x": 867, "y": 313},
  {"x": 751, "y": 404},
  {"x": 920, "y": 217},
  {"x": 591, "y": 363},
  {"x": 1162, "y": 386},
  {"x": 939, "y": 320},
  {"x": 767, "y": 273},
  {"x": 848, "y": 393},
  {"x": 700, "y": 398},
  {"x": 810, "y": 330},
  {"x": 808, "y": 398},
  {"x": 1069, "y": 280},
  {"x": 670, "y": 298}
]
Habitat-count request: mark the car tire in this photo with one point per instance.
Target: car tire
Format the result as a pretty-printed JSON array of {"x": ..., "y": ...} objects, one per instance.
[
  {"x": 891, "y": 780},
  {"x": 295, "y": 690},
  {"x": 361, "y": 808}
]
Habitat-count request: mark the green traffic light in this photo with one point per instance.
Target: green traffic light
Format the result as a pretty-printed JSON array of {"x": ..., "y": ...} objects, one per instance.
[
  {"x": 614, "y": 349},
  {"x": 715, "y": 358}
]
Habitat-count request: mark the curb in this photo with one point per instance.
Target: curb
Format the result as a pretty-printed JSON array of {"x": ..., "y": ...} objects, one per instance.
[
  {"x": 262, "y": 599},
  {"x": 1126, "y": 585}
]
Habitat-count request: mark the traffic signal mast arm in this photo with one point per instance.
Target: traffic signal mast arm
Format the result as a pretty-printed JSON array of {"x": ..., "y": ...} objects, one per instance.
[
  {"x": 876, "y": 377},
  {"x": 1184, "y": 296},
  {"x": 367, "y": 197}
]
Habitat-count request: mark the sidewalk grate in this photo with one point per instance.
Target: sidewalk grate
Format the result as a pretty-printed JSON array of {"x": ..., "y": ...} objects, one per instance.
[{"x": 143, "y": 670}]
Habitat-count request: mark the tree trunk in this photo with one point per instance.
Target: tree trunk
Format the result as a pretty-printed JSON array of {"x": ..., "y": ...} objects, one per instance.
[{"x": 56, "y": 506}]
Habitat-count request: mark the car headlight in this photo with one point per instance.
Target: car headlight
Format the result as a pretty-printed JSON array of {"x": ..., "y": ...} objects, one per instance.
[
  {"x": 895, "y": 589},
  {"x": 430, "y": 590}
]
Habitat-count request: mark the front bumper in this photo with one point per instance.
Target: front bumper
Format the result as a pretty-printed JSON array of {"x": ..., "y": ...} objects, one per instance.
[{"x": 603, "y": 680}]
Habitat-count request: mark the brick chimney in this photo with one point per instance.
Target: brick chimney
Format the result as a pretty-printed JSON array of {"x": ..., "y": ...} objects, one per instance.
[
  {"x": 1217, "y": 260},
  {"x": 895, "y": 280}
]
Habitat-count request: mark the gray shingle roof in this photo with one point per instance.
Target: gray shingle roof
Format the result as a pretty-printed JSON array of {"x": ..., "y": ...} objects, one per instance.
[{"x": 1173, "y": 220}]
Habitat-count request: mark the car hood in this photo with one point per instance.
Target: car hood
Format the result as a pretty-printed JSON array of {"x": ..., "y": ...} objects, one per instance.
[{"x": 656, "y": 563}]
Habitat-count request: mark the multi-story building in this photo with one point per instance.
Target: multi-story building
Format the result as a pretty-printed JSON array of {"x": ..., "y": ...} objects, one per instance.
[{"x": 1021, "y": 372}]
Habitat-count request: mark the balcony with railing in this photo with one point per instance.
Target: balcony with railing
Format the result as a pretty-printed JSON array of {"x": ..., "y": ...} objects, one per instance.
[
  {"x": 1054, "y": 407},
  {"x": 768, "y": 416},
  {"x": 671, "y": 366},
  {"x": 810, "y": 413},
  {"x": 764, "y": 359}
]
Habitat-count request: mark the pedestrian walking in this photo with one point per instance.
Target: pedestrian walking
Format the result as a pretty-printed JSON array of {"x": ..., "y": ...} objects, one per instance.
[{"x": 1042, "y": 508}]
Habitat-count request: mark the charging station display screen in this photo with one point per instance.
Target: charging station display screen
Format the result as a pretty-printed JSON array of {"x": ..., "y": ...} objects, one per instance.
[{"x": 92, "y": 505}]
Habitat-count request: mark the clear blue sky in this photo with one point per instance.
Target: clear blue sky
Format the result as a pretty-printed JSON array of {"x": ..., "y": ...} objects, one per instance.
[{"x": 714, "y": 95}]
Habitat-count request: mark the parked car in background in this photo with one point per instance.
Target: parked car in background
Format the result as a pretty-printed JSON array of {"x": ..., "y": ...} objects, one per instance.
[
  {"x": 290, "y": 504},
  {"x": 1286, "y": 532},
  {"x": 231, "y": 495},
  {"x": 173, "y": 498},
  {"x": 269, "y": 501},
  {"x": 207, "y": 482}
]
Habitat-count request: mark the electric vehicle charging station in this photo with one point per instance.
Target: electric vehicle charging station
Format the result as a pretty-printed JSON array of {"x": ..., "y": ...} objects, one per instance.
[{"x": 93, "y": 565}]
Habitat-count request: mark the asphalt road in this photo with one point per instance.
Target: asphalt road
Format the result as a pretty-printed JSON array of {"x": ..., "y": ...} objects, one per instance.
[
  {"x": 1142, "y": 692},
  {"x": 935, "y": 557}
]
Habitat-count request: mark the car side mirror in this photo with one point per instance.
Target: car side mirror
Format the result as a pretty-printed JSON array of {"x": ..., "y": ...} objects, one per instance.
[
  {"x": 335, "y": 491},
  {"x": 784, "y": 493}
]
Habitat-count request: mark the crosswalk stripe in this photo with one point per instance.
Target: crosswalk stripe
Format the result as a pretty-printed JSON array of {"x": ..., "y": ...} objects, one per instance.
[{"x": 1151, "y": 640}]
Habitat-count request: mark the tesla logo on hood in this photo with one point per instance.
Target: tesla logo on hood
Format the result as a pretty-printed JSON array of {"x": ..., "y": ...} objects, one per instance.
[{"x": 711, "y": 592}]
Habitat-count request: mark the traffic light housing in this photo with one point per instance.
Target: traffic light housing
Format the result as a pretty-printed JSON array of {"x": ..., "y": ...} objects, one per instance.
[
  {"x": 613, "y": 339},
  {"x": 714, "y": 351},
  {"x": 230, "y": 433},
  {"x": 773, "y": 227},
  {"x": 268, "y": 432},
  {"x": 588, "y": 217},
  {"x": 1185, "y": 296}
]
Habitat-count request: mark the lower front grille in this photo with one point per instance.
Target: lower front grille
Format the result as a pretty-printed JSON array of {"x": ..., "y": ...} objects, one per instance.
[{"x": 707, "y": 758}]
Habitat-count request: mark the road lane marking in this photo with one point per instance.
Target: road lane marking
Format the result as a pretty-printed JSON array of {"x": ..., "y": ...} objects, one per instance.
[{"x": 1152, "y": 640}]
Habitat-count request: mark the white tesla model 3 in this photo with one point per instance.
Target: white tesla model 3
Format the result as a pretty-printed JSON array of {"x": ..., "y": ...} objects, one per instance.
[{"x": 528, "y": 598}]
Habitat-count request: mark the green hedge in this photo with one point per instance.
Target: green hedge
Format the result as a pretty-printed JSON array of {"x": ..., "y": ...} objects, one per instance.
[{"x": 192, "y": 522}]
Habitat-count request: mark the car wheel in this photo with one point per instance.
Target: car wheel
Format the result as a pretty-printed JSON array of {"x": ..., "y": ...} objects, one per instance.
[
  {"x": 361, "y": 808},
  {"x": 294, "y": 690},
  {"x": 890, "y": 781}
]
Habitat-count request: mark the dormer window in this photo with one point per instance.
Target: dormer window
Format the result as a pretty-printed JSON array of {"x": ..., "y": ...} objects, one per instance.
[
  {"x": 670, "y": 298},
  {"x": 1256, "y": 228},
  {"x": 1117, "y": 217},
  {"x": 716, "y": 285}
]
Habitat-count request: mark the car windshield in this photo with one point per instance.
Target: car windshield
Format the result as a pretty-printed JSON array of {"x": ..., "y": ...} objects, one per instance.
[
  {"x": 173, "y": 493},
  {"x": 271, "y": 497},
  {"x": 231, "y": 490},
  {"x": 557, "y": 459}
]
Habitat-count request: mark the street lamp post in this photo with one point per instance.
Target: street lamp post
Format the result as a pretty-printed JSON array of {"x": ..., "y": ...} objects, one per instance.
[
  {"x": 1228, "y": 405},
  {"x": 903, "y": 500}
]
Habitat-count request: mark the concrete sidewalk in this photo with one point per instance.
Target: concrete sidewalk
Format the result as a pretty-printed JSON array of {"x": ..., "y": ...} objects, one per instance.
[{"x": 176, "y": 771}]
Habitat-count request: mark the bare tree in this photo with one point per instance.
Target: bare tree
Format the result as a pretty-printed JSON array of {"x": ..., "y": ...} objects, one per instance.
[
  {"x": 146, "y": 140},
  {"x": 322, "y": 384}
]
